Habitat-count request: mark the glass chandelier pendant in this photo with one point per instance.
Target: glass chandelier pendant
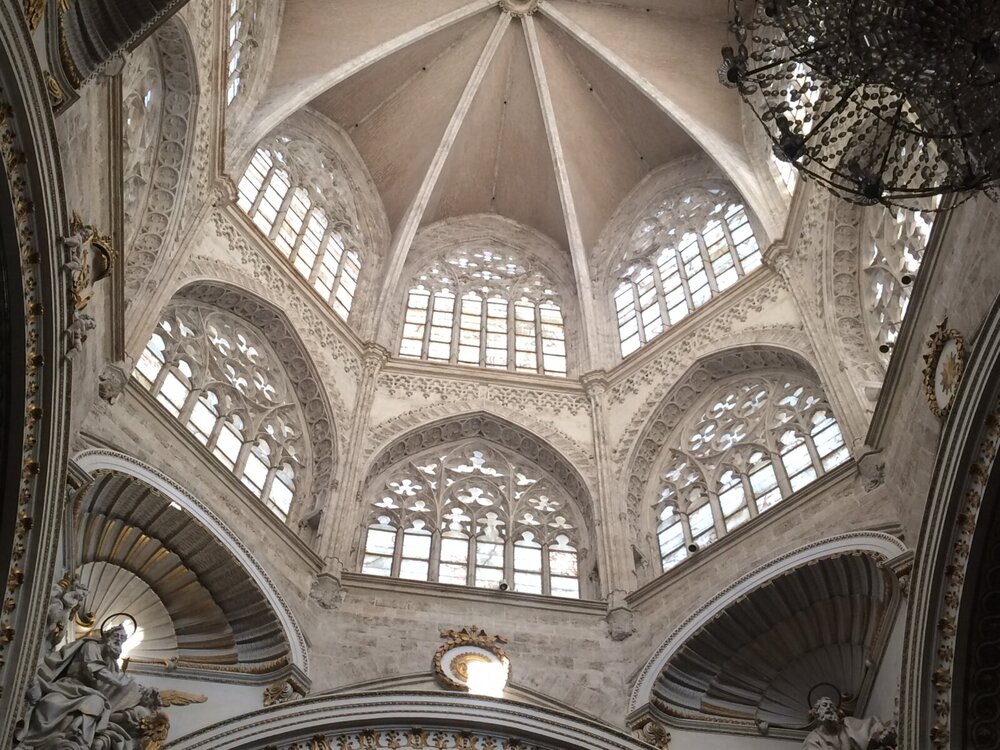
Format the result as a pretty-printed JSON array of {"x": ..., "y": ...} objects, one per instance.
[{"x": 882, "y": 101}]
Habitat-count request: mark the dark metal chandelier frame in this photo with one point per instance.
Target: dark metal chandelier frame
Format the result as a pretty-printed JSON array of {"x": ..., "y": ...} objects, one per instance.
[{"x": 882, "y": 101}]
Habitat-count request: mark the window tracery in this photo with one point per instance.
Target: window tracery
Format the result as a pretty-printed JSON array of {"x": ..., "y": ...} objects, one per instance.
[
  {"x": 303, "y": 213},
  {"x": 758, "y": 441},
  {"x": 483, "y": 306},
  {"x": 689, "y": 249},
  {"x": 473, "y": 515},
  {"x": 894, "y": 244},
  {"x": 217, "y": 377}
]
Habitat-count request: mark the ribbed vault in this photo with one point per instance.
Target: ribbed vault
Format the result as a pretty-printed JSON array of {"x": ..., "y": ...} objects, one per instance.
[
  {"x": 135, "y": 546},
  {"x": 825, "y": 620}
]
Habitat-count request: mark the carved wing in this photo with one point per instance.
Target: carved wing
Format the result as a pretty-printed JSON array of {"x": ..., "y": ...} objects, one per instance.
[{"x": 180, "y": 698}]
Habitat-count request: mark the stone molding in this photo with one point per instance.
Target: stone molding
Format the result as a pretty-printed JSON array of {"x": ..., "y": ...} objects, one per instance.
[
  {"x": 312, "y": 716},
  {"x": 92, "y": 460}
]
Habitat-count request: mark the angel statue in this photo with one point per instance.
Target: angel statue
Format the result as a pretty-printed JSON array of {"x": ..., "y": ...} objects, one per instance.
[
  {"x": 81, "y": 700},
  {"x": 835, "y": 732},
  {"x": 64, "y": 601}
]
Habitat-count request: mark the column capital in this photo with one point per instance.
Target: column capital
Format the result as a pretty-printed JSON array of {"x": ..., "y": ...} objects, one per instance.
[
  {"x": 778, "y": 256},
  {"x": 374, "y": 356},
  {"x": 595, "y": 383}
]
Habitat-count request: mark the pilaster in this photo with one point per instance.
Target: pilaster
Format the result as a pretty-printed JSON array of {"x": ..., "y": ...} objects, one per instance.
[
  {"x": 611, "y": 515},
  {"x": 338, "y": 523}
]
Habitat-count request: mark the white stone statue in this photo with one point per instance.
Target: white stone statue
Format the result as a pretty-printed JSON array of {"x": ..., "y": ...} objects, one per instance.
[
  {"x": 66, "y": 598},
  {"x": 835, "y": 732},
  {"x": 81, "y": 700}
]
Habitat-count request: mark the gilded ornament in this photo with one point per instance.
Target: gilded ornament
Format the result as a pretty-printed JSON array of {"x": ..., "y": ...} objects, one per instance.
[
  {"x": 477, "y": 645},
  {"x": 56, "y": 93},
  {"x": 945, "y": 362}
]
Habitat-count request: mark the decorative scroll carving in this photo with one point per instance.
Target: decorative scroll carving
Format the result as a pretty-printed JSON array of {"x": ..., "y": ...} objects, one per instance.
[{"x": 283, "y": 691}]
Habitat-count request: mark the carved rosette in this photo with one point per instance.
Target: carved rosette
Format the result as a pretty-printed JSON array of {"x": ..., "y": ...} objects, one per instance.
[{"x": 945, "y": 365}]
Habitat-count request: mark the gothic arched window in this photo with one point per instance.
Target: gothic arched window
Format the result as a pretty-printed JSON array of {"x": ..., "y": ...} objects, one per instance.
[
  {"x": 218, "y": 378},
  {"x": 689, "y": 249},
  {"x": 485, "y": 307},
  {"x": 473, "y": 515},
  {"x": 296, "y": 216},
  {"x": 755, "y": 442},
  {"x": 892, "y": 251}
]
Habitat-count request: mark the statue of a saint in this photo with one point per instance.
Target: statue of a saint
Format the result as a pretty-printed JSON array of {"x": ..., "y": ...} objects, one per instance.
[
  {"x": 835, "y": 732},
  {"x": 65, "y": 600},
  {"x": 82, "y": 699}
]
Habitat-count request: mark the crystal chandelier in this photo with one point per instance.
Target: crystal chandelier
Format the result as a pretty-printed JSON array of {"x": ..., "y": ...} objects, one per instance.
[{"x": 883, "y": 101}]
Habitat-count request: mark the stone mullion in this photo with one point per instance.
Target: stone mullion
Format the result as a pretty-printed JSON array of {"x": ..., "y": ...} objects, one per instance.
[
  {"x": 320, "y": 254},
  {"x": 610, "y": 512},
  {"x": 264, "y": 185},
  {"x": 511, "y": 348},
  {"x": 706, "y": 261},
  {"x": 279, "y": 219},
  {"x": 637, "y": 306},
  {"x": 781, "y": 475},
  {"x": 337, "y": 529},
  {"x": 685, "y": 283},
  {"x": 456, "y": 329},
  {"x": 539, "y": 340},
  {"x": 470, "y": 572},
  {"x": 547, "y": 573},
  {"x": 434, "y": 563},
  {"x": 508, "y": 561},
  {"x": 813, "y": 454},
  {"x": 661, "y": 298},
  {"x": 748, "y": 496},
  {"x": 718, "y": 517},
  {"x": 734, "y": 254},
  {"x": 431, "y": 301},
  {"x": 300, "y": 238},
  {"x": 397, "y": 553}
]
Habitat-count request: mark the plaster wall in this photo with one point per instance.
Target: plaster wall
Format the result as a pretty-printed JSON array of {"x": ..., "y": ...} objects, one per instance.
[{"x": 224, "y": 701}]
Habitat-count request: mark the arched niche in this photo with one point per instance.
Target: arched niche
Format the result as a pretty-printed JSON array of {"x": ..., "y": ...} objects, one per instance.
[
  {"x": 828, "y": 607},
  {"x": 143, "y": 509}
]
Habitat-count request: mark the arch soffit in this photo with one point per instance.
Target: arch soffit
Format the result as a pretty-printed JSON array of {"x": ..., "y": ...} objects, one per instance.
[
  {"x": 670, "y": 409},
  {"x": 94, "y": 460},
  {"x": 430, "y": 428},
  {"x": 667, "y": 180},
  {"x": 175, "y": 144},
  {"x": 295, "y": 359},
  {"x": 308, "y": 125},
  {"x": 880, "y": 545},
  {"x": 328, "y": 714}
]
